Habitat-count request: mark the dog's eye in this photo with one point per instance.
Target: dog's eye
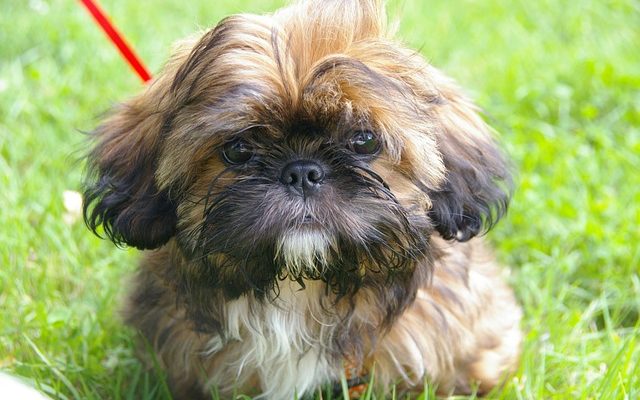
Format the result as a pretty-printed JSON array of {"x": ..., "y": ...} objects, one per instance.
[
  {"x": 237, "y": 152},
  {"x": 364, "y": 142}
]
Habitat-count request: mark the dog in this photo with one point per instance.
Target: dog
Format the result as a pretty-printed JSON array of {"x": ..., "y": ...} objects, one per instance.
[{"x": 310, "y": 195}]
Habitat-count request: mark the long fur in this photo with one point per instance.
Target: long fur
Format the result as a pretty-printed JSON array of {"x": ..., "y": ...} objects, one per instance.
[{"x": 247, "y": 287}]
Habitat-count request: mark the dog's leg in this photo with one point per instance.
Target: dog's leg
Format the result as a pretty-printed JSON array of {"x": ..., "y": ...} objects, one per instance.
[{"x": 461, "y": 334}]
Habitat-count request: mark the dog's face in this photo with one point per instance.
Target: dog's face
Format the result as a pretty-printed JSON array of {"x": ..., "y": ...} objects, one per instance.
[{"x": 305, "y": 145}]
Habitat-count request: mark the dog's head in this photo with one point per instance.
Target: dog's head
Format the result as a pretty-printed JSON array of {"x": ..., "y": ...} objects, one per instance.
[{"x": 302, "y": 145}]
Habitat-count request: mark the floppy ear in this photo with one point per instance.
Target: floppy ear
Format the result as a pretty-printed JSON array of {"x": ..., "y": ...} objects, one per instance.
[
  {"x": 121, "y": 192},
  {"x": 477, "y": 185}
]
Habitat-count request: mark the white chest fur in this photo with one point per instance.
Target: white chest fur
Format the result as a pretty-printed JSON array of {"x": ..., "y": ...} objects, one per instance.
[{"x": 279, "y": 343}]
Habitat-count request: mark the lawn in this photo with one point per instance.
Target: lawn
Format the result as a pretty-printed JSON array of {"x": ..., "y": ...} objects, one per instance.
[{"x": 560, "y": 81}]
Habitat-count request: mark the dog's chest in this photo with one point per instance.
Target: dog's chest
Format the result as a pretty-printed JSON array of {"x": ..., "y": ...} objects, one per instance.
[{"x": 281, "y": 345}]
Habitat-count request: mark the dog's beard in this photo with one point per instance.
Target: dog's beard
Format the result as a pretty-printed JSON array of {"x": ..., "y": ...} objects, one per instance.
[
  {"x": 352, "y": 234},
  {"x": 305, "y": 250}
]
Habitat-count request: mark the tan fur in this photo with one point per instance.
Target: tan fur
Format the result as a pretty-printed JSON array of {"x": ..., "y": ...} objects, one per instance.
[
  {"x": 462, "y": 330},
  {"x": 335, "y": 63}
]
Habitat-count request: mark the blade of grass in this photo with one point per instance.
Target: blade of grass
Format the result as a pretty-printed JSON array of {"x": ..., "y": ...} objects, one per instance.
[{"x": 67, "y": 383}]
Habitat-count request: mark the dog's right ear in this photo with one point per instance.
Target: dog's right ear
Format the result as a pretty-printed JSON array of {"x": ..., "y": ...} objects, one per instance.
[{"x": 120, "y": 190}]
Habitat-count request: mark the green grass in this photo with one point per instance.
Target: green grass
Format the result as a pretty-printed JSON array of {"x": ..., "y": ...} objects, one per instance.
[{"x": 559, "y": 79}]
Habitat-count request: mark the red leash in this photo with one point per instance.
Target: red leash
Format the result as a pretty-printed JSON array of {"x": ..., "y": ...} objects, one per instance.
[{"x": 118, "y": 40}]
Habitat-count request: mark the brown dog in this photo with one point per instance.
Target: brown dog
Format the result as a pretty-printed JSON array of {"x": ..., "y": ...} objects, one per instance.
[{"x": 308, "y": 188}]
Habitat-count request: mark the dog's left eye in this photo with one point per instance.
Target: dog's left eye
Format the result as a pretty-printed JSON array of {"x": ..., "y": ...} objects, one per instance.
[
  {"x": 364, "y": 142},
  {"x": 237, "y": 152}
]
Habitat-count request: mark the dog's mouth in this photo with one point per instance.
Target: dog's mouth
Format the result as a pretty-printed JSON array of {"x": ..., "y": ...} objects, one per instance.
[
  {"x": 307, "y": 218},
  {"x": 310, "y": 223}
]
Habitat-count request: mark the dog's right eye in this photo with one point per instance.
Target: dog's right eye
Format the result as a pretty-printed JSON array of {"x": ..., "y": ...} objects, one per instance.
[{"x": 237, "y": 152}]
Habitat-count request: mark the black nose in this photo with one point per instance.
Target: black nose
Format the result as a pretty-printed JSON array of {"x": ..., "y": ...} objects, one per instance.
[{"x": 303, "y": 176}]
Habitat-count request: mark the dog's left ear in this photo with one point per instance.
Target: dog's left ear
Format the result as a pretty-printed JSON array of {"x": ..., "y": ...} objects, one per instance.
[{"x": 477, "y": 185}]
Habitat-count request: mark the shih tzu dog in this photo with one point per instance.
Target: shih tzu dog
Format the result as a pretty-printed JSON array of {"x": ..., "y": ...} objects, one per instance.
[{"x": 309, "y": 193}]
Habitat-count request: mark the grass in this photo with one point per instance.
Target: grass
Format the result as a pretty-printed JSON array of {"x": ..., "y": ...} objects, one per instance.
[{"x": 559, "y": 79}]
